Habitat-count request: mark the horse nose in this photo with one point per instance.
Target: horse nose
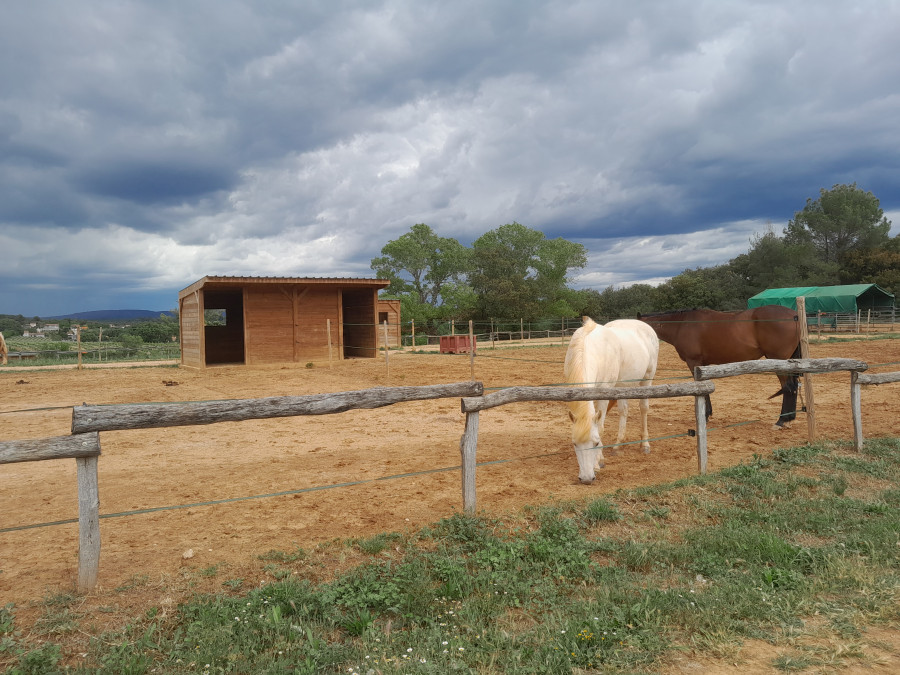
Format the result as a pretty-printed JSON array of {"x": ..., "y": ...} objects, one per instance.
[{"x": 586, "y": 481}]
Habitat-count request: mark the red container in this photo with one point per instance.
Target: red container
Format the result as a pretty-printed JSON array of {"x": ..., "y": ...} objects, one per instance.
[{"x": 457, "y": 344}]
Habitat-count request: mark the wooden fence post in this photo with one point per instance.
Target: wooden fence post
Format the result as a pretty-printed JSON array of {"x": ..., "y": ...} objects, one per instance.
[
  {"x": 471, "y": 350},
  {"x": 700, "y": 416},
  {"x": 468, "y": 448},
  {"x": 413, "y": 324},
  {"x": 856, "y": 409},
  {"x": 88, "y": 523},
  {"x": 807, "y": 378}
]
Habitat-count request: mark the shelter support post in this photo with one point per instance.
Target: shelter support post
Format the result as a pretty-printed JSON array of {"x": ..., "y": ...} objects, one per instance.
[
  {"x": 700, "y": 416},
  {"x": 468, "y": 447}
]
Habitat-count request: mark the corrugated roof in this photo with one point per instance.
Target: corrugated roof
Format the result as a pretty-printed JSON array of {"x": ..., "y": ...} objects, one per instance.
[{"x": 253, "y": 280}]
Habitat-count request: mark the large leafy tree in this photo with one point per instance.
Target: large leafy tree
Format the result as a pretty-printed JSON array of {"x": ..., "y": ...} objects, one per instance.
[
  {"x": 874, "y": 266},
  {"x": 843, "y": 219},
  {"x": 517, "y": 272},
  {"x": 421, "y": 263}
]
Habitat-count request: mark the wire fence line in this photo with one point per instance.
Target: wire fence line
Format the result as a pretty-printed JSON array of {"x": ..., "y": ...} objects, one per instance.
[{"x": 334, "y": 486}]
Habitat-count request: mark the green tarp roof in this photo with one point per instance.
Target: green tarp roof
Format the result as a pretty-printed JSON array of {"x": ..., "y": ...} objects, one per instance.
[{"x": 833, "y": 299}]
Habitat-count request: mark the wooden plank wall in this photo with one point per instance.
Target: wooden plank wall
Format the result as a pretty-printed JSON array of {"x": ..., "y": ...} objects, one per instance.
[
  {"x": 314, "y": 306},
  {"x": 392, "y": 309},
  {"x": 191, "y": 327},
  {"x": 269, "y": 325}
]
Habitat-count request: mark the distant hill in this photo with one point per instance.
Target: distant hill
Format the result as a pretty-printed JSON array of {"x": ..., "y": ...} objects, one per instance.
[{"x": 113, "y": 315}]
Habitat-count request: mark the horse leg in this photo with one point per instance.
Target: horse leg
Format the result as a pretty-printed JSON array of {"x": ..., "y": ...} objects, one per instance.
[
  {"x": 790, "y": 385},
  {"x": 623, "y": 420},
  {"x": 645, "y": 431},
  {"x": 708, "y": 407},
  {"x": 600, "y": 422}
]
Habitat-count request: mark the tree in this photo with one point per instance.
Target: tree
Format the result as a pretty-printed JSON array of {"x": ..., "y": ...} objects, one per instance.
[
  {"x": 517, "y": 272},
  {"x": 773, "y": 262},
  {"x": 421, "y": 262},
  {"x": 874, "y": 266},
  {"x": 843, "y": 219},
  {"x": 617, "y": 303}
]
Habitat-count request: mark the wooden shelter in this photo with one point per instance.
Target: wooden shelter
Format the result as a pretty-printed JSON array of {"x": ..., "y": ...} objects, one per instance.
[
  {"x": 389, "y": 313},
  {"x": 277, "y": 320}
]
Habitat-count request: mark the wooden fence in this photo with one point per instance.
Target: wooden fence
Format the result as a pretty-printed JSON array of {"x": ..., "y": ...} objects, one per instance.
[{"x": 87, "y": 421}]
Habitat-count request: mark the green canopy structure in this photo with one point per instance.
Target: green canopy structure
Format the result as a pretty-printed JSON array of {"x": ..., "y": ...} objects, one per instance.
[{"x": 828, "y": 299}]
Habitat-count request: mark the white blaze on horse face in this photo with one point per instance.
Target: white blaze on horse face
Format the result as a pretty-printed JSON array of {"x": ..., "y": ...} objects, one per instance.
[{"x": 588, "y": 453}]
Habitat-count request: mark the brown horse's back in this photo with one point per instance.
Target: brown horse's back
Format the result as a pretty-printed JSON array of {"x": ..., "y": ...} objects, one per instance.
[
  {"x": 777, "y": 330},
  {"x": 706, "y": 337}
]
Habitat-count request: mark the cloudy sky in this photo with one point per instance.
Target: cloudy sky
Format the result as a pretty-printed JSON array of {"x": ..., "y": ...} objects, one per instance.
[{"x": 146, "y": 144}]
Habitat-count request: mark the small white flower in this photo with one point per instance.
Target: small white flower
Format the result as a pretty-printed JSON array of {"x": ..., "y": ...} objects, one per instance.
[{"x": 409, "y": 650}]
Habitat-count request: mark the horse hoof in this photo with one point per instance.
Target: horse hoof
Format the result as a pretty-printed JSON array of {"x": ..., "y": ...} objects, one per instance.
[{"x": 646, "y": 451}]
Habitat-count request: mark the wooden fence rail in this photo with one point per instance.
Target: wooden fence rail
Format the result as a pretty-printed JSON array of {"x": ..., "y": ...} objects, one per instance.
[
  {"x": 88, "y": 421},
  {"x": 468, "y": 445},
  {"x": 856, "y": 382},
  {"x": 153, "y": 415},
  {"x": 84, "y": 449}
]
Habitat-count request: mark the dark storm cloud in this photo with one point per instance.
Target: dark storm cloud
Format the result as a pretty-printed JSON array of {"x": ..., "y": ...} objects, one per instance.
[
  {"x": 145, "y": 144},
  {"x": 156, "y": 182}
]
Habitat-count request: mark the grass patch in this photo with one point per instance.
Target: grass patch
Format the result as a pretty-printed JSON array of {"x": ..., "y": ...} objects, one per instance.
[{"x": 756, "y": 551}]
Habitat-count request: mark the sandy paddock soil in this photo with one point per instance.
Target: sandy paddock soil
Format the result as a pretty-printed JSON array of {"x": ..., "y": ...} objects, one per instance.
[{"x": 187, "y": 465}]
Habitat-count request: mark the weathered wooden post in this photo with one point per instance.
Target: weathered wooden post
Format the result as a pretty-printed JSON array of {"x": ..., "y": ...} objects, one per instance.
[
  {"x": 88, "y": 523},
  {"x": 807, "y": 378},
  {"x": 468, "y": 448},
  {"x": 856, "y": 410},
  {"x": 700, "y": 417},
  {"x": 413, "y": 324},
  {"x": 471, "y": 351},
  {"x": 78, "y": 335}
]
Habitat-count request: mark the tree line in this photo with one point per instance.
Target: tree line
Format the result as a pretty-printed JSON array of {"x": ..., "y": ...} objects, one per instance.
[
  {"x": 514, "y": 271},
  {"x": 138, "y": 331}
]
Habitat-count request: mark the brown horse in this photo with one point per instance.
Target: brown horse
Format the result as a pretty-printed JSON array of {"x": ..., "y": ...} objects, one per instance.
[{"x": 704, "y": 337}]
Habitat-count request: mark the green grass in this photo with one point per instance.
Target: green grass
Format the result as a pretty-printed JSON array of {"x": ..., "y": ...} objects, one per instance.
[{"x": 794, "y": 549}]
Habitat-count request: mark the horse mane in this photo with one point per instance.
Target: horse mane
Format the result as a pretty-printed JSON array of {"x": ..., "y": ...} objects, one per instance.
[{"x": 574, "y": 373}]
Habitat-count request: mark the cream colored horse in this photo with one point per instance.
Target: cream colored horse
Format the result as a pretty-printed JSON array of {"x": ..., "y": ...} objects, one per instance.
[{"x": 622, "y": 353}]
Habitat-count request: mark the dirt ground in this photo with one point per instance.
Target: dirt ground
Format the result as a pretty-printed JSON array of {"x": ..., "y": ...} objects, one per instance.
[{"x": 376, "y": 449}]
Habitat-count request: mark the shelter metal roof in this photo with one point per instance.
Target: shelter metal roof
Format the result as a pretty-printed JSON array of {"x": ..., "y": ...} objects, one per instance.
[{"x": 231, "y": 282}]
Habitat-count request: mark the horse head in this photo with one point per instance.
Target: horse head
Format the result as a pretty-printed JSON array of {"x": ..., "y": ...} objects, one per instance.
[{"x": 585, "y": 439}]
